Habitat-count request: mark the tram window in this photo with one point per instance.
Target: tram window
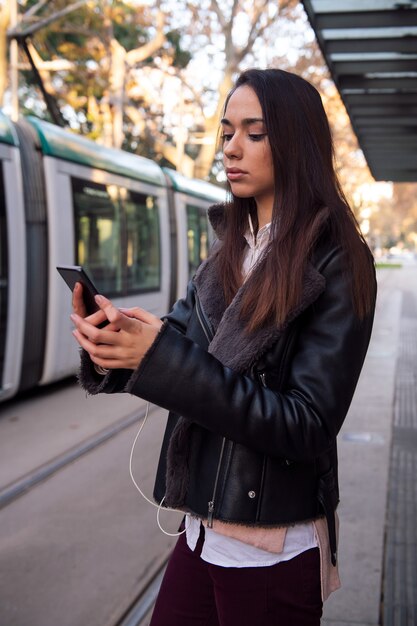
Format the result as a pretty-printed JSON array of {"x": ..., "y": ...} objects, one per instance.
[
  {"x": 98, "y": 227},
  {"x": 117, "y": 237},
  {"x": 3, "y": 273},
  {"x": 197, "y": 235},
  {"x": 142, "y": 242}
]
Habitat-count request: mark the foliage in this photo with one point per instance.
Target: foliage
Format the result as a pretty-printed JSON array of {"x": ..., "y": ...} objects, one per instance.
[
  {"x": 88, "y": 59},
  {"x": 152, "y": 79}
]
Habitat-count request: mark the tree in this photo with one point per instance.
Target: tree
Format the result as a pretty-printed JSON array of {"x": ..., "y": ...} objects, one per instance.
[
  {"x": 4, "y": 23},
  {"x": 235, "y": 26},
  {"x": 86, "y": 58}
]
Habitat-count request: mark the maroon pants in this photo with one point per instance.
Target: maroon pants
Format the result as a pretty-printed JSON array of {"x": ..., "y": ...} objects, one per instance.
[{"x": 196, "y": 593}]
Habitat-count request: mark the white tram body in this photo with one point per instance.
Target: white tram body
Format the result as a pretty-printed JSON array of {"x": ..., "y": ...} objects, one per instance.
[
  {"x": 12, "y": 261},
  {"x": 140, "y": 232}
]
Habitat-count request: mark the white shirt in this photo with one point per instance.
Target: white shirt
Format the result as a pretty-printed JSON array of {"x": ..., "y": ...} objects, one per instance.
[
  {"x": 226, "y": 551},
  {"x": 257, "y": 245}
]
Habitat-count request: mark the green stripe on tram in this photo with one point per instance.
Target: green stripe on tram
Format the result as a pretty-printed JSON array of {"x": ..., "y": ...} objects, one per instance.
[
  {"x": 194, "y": 187},
  {"x": 7, "y": 132},
  {"x": 63, "y": 144}
]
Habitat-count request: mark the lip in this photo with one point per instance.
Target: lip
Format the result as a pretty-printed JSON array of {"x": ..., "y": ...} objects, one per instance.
[{"x": 234, "y": 173}]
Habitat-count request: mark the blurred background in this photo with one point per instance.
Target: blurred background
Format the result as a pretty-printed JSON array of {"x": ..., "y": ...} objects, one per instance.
[{"x": 150, "y": 78}]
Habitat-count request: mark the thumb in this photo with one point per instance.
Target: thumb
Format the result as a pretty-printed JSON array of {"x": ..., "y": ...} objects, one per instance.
[
  {"x": 115, "y": 316},
  {"x": 142, "y": 316}
]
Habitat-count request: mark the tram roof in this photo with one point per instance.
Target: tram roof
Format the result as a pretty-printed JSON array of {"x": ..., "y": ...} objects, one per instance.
[
  {"x": 370, "y": 47},
  {"x": 194, "y": 187},
  {"x": 7, "y": 131},
  {"x": 60, "y": 143}
]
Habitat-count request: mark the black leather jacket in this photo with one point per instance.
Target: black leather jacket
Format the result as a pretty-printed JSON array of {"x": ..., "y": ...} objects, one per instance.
[{"x": 262, "y": 447}]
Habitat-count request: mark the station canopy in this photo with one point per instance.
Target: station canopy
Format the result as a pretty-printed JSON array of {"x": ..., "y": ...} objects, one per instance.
[{"x": 370, "y": 47}]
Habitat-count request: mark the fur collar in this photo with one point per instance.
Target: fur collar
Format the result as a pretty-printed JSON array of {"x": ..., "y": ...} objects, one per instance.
[
  {"x": 217, "y": 218},
  {"x": 231, "y": 344}
]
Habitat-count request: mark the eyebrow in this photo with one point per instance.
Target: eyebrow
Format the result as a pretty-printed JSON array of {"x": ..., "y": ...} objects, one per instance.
[{"x": 245, "y": 122}]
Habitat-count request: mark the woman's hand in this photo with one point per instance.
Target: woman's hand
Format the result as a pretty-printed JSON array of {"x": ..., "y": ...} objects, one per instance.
[
  {"x": 79, "y": 309},
  {"x": 125, "y": 349}
]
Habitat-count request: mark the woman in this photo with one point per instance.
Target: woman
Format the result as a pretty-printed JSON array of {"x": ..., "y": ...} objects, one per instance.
[{"x": 257, "y": 365}]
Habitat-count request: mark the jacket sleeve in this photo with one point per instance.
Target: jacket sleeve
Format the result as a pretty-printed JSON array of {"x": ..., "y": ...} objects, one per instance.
[
  {"x": 115, "y": 381},
  {"x": 299, "y": 423}
]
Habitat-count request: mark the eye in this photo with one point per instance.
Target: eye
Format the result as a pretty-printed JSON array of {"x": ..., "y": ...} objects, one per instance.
[
  {"x": 227, "y": 136},
  {"x": 257, "y": 137}
]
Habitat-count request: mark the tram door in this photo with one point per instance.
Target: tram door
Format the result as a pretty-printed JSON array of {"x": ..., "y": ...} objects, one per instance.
[
  {"x": 194, "y": 237},
  {"x": 197, "y": 236},
  {"x": 3, "y": 274}
]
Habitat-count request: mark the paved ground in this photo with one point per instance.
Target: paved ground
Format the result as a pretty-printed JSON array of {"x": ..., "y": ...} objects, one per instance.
[{"x": 378, "y": 470}]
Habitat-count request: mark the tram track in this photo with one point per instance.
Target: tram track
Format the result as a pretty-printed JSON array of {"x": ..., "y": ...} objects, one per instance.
[
  {"x": 139, "y": 612},
  {"x": 74, "y": 529},
  {"x": 22, "y": 485}
]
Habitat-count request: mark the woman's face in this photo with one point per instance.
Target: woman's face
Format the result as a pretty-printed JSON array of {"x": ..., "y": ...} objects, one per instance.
[{"x": 246, "y": 151}]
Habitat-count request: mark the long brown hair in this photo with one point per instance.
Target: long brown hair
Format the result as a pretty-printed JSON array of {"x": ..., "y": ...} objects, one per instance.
[{"x": 308, "y": 199}]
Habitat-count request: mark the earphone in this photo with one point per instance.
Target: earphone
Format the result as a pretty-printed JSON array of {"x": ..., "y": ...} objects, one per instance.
[{"x": 157, "y": 506}]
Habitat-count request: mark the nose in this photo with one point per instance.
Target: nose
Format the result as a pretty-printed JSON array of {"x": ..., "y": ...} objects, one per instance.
[{"x": 232, "y": 149}]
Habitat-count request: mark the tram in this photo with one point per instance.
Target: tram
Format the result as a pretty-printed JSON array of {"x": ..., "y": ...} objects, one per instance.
[{"x": 139, "y": 230}]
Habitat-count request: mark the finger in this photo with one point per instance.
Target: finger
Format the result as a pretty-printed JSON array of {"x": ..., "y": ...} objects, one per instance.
[
  {"x": 142, "y": 315},
  {"x": 102, "y": 354},
  {"x": 95, "y": 351},
  {"x": 96, "y": 318},
  {"x": 78, "y": 301},
  {"x": 93, "y": 334},
  {"x": 115, "y": 315}
]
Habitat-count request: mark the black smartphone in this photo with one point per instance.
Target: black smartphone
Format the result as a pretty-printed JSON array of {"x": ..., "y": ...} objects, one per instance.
[{"x": 76, "y": 274}]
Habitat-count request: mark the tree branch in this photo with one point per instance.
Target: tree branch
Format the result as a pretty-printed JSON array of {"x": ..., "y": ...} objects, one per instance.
[
  {"x": 33, "y": 10},
  {"x": 140, "y": 54},
  {"x": 43, "y": 67},
  {"x": 17, "y": 33},
  {"x": 4, "y": 22},
  {"x": 234, "y": 10},
  {"x": 217, "y": 10},
  {"x": 255, "y": 32}
]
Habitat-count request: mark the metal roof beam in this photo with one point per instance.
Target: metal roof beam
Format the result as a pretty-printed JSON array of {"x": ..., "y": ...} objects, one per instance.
[
  {"x": 351, "y": 6},
  {"x": 378, "y": 84},
  {"x": 380, "y": 160},
  {"x": 399, "y": 143},
  {"x": 386, "y": 120},
  {"x": 405, "y": 176},
  {"x": 382, "y": 111},
  {"x": 366, "y": 19},
  {"x": 385, "y": 130},
  {"x": 334, "y": 34},
  {"x": 368, "y": 67},
  {"x": 356, "y": 46},
  {"x": 381, "y": 99}
]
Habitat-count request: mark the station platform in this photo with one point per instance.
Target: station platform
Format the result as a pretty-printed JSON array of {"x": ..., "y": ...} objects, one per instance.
[
  {"x": 378, "y": 470},
  {"x": 88, "y": 550}
]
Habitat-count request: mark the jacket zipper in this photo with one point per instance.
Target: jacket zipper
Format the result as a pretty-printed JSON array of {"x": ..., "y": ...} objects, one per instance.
[
  {"x": 209, "y": 336},
  {"x": 203, "y": 322},
  {"x": 213, "y": 500}
]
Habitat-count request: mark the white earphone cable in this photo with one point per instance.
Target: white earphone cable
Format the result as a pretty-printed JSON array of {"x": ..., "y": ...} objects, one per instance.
[{"x": 157, "y": 506}]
